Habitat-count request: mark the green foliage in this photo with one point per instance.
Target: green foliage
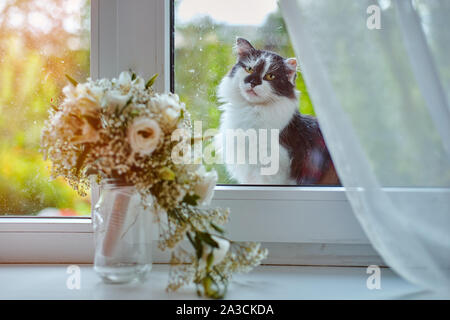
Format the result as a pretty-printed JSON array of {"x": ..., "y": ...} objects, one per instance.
[{"x": 32, "y": 69}]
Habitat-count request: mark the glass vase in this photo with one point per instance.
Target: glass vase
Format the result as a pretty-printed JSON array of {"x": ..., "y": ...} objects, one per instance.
[{"x": 123, "y": 234}]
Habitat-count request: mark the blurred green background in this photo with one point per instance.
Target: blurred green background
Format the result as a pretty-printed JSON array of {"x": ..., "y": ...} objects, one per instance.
[{"x": 40, "y": 41}]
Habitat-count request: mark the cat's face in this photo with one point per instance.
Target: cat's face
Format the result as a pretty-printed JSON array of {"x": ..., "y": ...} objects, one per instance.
[{"x": 261, "y": 77}]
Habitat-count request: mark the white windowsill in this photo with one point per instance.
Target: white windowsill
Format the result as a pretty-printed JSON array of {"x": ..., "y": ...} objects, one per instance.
[{"x": 264, "y": 283}]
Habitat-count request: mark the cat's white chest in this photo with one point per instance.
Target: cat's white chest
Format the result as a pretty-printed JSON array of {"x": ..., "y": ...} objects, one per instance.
[{"x": 261, "y": 127}]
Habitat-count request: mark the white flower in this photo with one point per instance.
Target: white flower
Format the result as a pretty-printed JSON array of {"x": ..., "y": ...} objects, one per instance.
[
  {"x": 74, "y": 127},
  {"x": 171, "y": 101},
  {"x": 124, "y": 81},
  {"x": 218, "y": 253},
  {"x": 169, "y": 106},
  {"x": 115, "y": 98},
  {"x": 80, "y": 115},
  {"x": 205, "y": 188},
  {"x": 139, "y": 83},
  {"x": 84, "y": 97},
  {"x": 171, "y": 117},
  {"x": 104, "y": 84},
  {"x": 144, "y": 135}
]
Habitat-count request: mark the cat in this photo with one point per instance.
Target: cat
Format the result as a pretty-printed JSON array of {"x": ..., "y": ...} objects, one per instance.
[{"x": 259, "y": 93}]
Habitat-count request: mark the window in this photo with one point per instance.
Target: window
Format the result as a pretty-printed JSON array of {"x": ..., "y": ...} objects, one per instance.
[
  {"x": 135, "y": 35},
  {"x": 40, "y": 42}
]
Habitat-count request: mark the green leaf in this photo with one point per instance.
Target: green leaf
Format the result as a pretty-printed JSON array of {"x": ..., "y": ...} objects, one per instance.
[
  {"x": 209, "y": 290},
  {"x": 217, "y": 228},
  {"x": 134, "y": 113},
  {"x": 209, "y": 260},
  {"x": 72, "y": 80},
  {"x": 151, "y": 81},
  {"x": 191, "y": 199},
  {"x": 198, "y": 247},
  {"x": 167, "y": 174},
  {"x": 206, "y": 238},
  {"x": 190, "y": 239},
  {"x": 207, "y": 283},
  {"x": 125, "y": 106}
]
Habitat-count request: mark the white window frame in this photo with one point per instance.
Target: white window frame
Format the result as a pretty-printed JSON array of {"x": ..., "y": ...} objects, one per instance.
[{"x": 135, "y": 34}]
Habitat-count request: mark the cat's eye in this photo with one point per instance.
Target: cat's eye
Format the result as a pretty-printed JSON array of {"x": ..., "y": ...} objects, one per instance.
[
  {"x": 269, "y": 76},
  {"x": 249, "y": 69}
]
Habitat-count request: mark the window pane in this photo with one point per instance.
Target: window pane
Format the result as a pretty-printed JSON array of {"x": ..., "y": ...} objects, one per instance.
[
  {"x": 40, "y": 42},
  {"x": 205, "y": 34}
]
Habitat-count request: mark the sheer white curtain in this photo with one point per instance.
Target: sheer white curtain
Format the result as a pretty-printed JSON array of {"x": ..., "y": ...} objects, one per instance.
[{"x": 381, "y": 97}]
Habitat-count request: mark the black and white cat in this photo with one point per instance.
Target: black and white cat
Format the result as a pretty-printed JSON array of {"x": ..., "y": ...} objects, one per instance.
[{"x": 259, "y": 93}]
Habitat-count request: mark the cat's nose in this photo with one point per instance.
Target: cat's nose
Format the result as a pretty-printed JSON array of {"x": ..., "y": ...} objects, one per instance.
[{"x": 255, "y": 82}]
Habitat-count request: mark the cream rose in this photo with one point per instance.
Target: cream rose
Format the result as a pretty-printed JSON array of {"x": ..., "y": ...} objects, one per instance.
[
  {"x": 75, "y": 128},
  {"x": 218, "y": 253},
  {"x": 87, "y": 134},
  {"x": 84, "y": 98},
  {"x": 205, "y": 188},
  {"x": 144, "y": 135}
]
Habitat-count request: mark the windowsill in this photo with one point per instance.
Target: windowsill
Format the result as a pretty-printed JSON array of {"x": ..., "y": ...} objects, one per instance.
[{"x": 42, "y": 281}]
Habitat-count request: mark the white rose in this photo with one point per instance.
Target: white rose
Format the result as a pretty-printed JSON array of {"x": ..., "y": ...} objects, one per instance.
[
  {"x": 144, "y": 135},
  {"x": 218, "y": 253},
  {"x": 205, "y": 187}
]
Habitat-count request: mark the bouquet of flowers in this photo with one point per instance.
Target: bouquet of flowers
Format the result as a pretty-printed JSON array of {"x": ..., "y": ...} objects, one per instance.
[{"x": 121, "y": 129}]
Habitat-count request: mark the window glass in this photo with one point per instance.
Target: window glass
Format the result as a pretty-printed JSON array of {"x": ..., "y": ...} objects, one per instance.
[
  {"x": 205, "y": 35},
  {"x": 40, "y": 42}
]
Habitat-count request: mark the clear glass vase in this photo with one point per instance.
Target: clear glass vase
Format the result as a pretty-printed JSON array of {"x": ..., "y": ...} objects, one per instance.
[{"x": 123, "y": 234}]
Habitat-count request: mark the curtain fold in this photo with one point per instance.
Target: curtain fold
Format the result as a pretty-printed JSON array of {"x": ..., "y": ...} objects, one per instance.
[{"x": 381, "y": 98}]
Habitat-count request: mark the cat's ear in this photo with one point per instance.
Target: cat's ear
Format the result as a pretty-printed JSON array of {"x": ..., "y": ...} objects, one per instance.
[
  {"x": 243, "y": 47},
  {"x": 291, "y": 65}
]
